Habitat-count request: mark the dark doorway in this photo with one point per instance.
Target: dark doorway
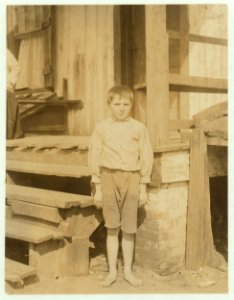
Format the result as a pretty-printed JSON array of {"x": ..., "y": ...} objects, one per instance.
[{"x": 219, "y": 216}]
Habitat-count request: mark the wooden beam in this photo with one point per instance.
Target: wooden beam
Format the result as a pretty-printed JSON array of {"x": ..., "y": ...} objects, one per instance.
[
  {"x": 157, "y": 67},
  {"x": 47, "y": 198},
  {"x": 196, "y": 38},
  {"x": 47, "y": 128},
  {"x": 200, "y": 250},
  {"x": 207, "y": 40},
  {"x": 185, "y": 83},
  {"x": 171, "y": 147},
  {"x": 195, "y": 250},
  {"x": 47, "y": 169}
]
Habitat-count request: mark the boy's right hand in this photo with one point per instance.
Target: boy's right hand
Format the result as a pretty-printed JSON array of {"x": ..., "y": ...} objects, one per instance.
[{"x": 98, "y": 196}]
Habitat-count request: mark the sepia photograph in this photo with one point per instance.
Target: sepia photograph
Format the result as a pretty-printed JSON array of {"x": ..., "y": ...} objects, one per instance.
[{"x": 116, "y": 149}]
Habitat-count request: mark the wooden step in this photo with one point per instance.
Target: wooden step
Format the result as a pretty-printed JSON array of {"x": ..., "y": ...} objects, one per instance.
[
  {"x": 15, "y": 272},
  {"x": 47, "y": 169},
  {"x": 41, "y": 212},
  {"x": 30, "y": 233},
  {"x": 47, "y": 197}
]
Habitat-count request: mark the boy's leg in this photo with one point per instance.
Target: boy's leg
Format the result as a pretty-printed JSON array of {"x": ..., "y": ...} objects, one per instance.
[
  {"x": 112, "y": 244},
  {"x": 128, "y": 248}
]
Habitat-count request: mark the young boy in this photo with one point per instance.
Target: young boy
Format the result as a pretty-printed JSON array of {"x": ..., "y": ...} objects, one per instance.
[{"x": 120, "y": 161}]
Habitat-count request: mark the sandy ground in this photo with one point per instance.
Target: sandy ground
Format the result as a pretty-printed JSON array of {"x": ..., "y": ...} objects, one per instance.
[{"x": 206, "y": 280}]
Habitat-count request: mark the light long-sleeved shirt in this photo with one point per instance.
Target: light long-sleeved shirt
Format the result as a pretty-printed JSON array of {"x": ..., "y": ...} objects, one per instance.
[
  {"x": 13, "y": 71},
  {"x": 122, "y": 145}
]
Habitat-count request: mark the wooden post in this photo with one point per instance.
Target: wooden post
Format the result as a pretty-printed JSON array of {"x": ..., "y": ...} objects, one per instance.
[
  {"x": 157, "y": 68},
  {"x": 200, "y": 248}
]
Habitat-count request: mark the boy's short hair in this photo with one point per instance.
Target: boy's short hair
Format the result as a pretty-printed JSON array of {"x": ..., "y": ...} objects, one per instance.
[{"x": 122, "y": 91}]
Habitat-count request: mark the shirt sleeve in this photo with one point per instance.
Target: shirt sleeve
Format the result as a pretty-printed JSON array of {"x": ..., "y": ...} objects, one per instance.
[
  {"x": 13, "y": 69},
  {"x": 94, "y": 158},
  {"x": 146, "y": 156}
]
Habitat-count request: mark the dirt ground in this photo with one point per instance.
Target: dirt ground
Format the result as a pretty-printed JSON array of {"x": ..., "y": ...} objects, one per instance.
[{"x": 206, "y": 280}]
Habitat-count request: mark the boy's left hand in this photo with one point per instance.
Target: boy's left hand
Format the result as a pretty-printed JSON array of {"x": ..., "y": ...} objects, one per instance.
[{"x": 143, "y": 197}]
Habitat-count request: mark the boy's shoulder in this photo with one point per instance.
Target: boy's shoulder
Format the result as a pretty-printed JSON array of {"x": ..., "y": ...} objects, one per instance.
[{"x": 137, "y": 123}]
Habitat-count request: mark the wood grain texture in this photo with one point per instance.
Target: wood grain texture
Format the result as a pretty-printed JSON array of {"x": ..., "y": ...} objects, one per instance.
[
  {"x": 45, "y": 169},
  {"x": 157, "y": 68},
  {"x": 175, "y": 166},
  {"x": 200, "y": 249},
  {"x": 47, "y": 197},
  {"x": 29, "y": 233},
  {"x": 16, "y": 268},
  {"x": 33, "y": 210}
]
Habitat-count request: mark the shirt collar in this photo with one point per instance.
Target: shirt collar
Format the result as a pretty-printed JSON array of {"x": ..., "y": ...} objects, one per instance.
[{"x": 112, "y": 120}]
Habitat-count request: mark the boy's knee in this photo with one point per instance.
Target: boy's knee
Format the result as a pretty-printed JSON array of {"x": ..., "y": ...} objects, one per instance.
[
  {"x": 113, "y": 231},
  {"x": 128, "y": 236}
]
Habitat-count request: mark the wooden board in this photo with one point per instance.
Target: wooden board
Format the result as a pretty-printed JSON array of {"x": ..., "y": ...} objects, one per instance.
[
  {"x": 18, "y": 269},
  {"x": 217, "y": 128},
  {"x": 200, "y": 248},
  {"x": 172, "y": 147},
  {"x": 48, "y": 141},
  {"x": 184, "y": 59},
  {"x": 47, "y": 169},
  {"x": 185, "y": 83},
  {"x": 211, "y": 113},
  {"x": 175, "y": 166},
  {"x": 13, "y": 277},
  {"x": 30, "y": 233},
  {"x": 195, "y": 251},
  {"x": 197, "y": 38},
  {"x": 33, "y": 210},
  {"x": 47, "y": 197},
  {"x": 157, "y": 68}
]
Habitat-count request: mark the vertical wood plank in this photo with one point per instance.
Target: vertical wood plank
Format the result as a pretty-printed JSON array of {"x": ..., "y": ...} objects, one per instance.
[
  {"x": 91, "y": 64},
  {"x": 75, "y": 64},
  {"x": 99, "y": 103},
  {"x": 117, "y": 45},
  {"x": 126, "y": 45},
  {"x": 39, "y": 15},
  {"x": 157, "y": 64},
  {"x": 20, "y": 19},
  {"x": 200, "y": 248},
  {"x": 138, "y": 51},
  {"x": 47, "y": 71},
  {"x": 184, "y": 59},
  {"x": 30, "y": 20},
  {"x": 108, "y": 56},
  {"x": 195, "y": 246}
]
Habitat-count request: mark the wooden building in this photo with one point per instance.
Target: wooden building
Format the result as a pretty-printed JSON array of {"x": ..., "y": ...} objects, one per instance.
[{"x": 175, "y": 59}]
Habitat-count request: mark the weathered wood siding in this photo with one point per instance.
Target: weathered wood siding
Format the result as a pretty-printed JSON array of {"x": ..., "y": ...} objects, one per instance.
[
  {"x": 84, "y": 63},
  {"x": 207, "y": 60}
]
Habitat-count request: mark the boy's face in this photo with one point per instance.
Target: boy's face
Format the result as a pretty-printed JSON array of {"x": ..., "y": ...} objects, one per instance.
[{"x": 120, "y": 107}]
